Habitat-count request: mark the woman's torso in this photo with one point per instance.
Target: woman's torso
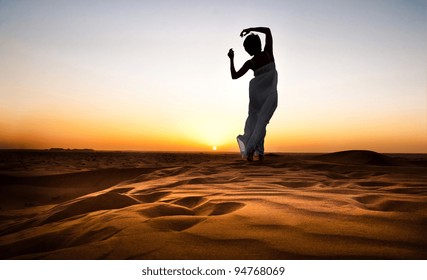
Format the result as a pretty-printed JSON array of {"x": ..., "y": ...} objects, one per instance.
[
  {"x": 261, "y": 60},
  {"x": 264, "y": 84}
]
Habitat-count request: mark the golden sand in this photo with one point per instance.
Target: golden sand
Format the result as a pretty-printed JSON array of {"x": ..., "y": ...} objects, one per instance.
[{"x": 118, "y": 205}]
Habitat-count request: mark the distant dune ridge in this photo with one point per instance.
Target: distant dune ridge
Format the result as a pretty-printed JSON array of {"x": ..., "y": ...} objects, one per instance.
[
  {"x": 118, "y": 205},
  {"x": 361, "y": 157}
]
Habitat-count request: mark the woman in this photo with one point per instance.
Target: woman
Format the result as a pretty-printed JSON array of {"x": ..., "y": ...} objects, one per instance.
[{"x": 262, "y": 91}]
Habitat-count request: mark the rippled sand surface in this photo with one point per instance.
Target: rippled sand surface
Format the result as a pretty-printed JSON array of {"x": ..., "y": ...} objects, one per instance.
[{"x": 123, "y": 205}]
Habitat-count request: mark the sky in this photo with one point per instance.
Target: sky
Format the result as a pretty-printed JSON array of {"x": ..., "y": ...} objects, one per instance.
[{"x": 154, "y": 75}]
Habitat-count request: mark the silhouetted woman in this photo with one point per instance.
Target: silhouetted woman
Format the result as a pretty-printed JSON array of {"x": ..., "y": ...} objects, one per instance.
[{"x": 262, "y": 90}]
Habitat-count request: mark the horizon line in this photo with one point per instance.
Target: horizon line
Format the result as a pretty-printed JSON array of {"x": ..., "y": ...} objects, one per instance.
[{"x": 194, "y": 151}]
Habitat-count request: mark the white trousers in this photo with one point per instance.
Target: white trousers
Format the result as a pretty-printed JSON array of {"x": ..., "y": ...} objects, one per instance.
[{"x": 256, "y": 125}]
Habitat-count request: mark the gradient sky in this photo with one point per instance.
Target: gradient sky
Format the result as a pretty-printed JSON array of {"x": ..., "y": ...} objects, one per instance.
[{"x": 154, "y": 75}]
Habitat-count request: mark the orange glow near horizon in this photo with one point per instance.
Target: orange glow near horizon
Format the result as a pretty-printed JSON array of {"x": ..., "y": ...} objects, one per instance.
[{"x": 64, "y": 133}]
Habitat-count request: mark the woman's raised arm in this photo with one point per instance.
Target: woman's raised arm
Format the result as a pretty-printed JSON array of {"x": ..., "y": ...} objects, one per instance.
[{"x": 268, "y": 37}]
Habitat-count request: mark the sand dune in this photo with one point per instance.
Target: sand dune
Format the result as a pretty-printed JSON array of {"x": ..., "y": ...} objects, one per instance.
[
  {"x": 358, "y": 157},
  {"x": 346, "y": 205},
  {"x": 60, "y": 188}
]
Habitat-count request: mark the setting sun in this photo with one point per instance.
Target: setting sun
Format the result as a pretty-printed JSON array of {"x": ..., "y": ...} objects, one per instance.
[{"x": 214, "y": 148}]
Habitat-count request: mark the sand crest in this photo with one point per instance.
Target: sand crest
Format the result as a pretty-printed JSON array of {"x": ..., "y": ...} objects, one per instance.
[{"x": 116, "y": 205}]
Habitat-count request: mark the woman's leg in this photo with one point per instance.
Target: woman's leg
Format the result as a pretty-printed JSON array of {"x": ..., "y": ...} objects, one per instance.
[
  {"x": 259, "y": 149},
  {"x": 250, "y": 124},
  {"x": 256, "y": 140}
]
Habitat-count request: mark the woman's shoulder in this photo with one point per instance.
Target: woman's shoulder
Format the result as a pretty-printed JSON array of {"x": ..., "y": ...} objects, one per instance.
[{"x": 249, "y": 64}]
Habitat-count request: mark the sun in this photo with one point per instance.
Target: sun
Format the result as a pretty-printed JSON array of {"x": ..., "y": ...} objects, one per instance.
[{"x": 214, "y": 148}]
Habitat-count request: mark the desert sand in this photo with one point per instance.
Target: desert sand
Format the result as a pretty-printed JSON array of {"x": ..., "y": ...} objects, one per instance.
[{"x": 129, "y": 205}]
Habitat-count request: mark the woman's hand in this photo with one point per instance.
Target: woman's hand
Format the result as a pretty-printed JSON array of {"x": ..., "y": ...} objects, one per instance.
[
  {"x": 231, "y": 54},
  {"x": 245, "y": 32}
]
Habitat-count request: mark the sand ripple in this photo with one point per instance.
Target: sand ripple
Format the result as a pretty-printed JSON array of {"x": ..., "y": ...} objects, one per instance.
[{"x": 347, "y": 205}]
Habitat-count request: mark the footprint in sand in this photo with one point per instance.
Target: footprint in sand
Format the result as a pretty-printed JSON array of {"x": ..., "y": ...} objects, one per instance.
[
  {"x": 190, "y": 201},
  {"x": 183, "y": 213}
]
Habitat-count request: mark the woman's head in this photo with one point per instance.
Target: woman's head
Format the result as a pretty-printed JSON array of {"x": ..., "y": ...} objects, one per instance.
[{"x": 252, "y": 44}]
